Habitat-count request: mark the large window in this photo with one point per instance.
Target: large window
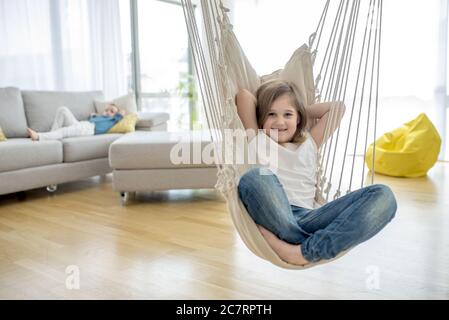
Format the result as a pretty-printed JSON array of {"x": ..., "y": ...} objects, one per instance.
[
  {"x": 158, "y": 59},
  {"x": 414, "y": 50}
]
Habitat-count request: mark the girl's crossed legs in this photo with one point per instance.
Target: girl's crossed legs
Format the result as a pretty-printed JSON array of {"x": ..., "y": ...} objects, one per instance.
[{"x": 314, "y": 234}]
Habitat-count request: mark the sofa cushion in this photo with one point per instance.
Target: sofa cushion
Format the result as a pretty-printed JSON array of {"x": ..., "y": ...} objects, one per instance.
[
  {"x": 151, "y": 119},
  {"x": 41, "y": 106},
  {"x": 161, "y": 149},
  {"x": 87, "y": 148},
  {"x": 126, "y": 103},
  {"x": 20, "y": 153},
  {"x": 2, "y": 135},
  {"x": 126, "y": 125},
  {"x": 12, "y": 113}
]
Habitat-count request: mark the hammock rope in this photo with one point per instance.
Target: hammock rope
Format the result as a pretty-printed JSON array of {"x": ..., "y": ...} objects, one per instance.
[
  {"x": 330, "y": 91},
  {"x": 377, "y": 86},
  {"x": 344, "y": 69},
  {"x": 354, "y": 104},
  {"x": 319, "y": 29},
  {"x": 372, "y": 3}
]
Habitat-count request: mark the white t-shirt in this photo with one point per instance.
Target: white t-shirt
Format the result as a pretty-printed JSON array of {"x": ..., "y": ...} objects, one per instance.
[{"x": 295, "y": 169}]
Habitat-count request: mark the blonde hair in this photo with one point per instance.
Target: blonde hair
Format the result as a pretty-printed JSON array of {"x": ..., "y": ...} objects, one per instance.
[
  {"x": 271, "y": 90},
  {"x": 112, "y": 106}
]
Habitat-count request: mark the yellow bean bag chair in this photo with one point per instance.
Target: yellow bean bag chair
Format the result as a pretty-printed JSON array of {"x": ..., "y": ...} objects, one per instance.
[{"x": 408, "y": 151}]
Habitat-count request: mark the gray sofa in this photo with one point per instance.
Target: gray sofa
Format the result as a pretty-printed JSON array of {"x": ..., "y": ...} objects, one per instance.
[{"x": 26, "y": 164}]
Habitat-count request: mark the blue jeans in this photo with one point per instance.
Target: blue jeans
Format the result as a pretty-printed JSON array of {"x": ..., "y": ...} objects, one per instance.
[{"x": 323, "y": 232}]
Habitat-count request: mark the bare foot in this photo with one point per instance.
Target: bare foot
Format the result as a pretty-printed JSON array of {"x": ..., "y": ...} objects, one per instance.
[
  {"x": 290, "y": 253},
  {"x": 33, "y": 134}
]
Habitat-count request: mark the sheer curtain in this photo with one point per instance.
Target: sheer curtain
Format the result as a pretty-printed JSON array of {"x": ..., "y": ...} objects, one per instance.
[
  {"x": 62, "y": 45},
  {"x": 414, "y": 57}
]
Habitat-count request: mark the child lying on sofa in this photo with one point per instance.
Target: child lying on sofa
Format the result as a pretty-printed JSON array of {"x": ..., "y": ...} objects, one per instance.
[{"x": 66, "y": 125}]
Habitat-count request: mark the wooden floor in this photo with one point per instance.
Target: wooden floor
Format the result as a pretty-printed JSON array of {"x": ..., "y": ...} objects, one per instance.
[{"x": 182, "y": 245}]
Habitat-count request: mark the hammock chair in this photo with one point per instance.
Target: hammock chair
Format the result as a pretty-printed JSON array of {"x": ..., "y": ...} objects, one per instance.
[{"x": 345, "y": 72}]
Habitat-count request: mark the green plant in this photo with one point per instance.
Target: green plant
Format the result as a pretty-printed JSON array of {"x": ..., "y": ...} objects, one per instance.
[{"x": 187, "y": 89}]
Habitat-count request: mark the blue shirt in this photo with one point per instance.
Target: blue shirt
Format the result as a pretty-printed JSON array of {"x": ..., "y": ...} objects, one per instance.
[{"x": 104, "y": 123}]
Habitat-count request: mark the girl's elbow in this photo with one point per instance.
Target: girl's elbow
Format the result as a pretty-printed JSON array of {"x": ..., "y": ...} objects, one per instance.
[
  {"x": 239, "y": 96},
  {"x": 243, "y": 95}
]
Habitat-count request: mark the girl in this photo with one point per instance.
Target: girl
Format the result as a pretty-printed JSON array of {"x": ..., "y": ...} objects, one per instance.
[
  {"x": 281, "y": 204},
  {"x": 66, "y": 125}
]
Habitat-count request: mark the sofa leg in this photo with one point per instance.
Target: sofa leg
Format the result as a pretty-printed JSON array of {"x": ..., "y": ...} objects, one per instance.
[
  {"x": 126, "y": 197},
  {"x": 52, "y": 188}
]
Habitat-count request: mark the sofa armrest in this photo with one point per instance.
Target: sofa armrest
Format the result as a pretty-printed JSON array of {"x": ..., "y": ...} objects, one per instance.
[{"x": 148, "y": 120}]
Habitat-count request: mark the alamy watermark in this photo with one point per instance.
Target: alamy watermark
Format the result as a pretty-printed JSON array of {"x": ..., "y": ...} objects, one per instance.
[
  {"x": 233, "y": 147},
  {"x": 372, "y": 281},
  {"x": 72, "y": 282}
]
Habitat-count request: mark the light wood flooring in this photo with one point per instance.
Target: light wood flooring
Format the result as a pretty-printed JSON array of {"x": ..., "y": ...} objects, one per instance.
[{"x": 182, "y": 245}]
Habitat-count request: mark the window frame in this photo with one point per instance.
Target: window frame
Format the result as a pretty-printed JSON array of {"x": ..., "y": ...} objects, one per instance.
[{"x": 135, "y": 61}]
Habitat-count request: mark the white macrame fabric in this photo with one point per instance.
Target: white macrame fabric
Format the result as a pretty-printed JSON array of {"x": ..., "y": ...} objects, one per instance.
[{"x": 223, "y": 69}]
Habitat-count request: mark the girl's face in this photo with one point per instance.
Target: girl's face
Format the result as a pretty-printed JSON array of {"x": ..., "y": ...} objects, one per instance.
[
  {"x": 282, "y": 118},
  {"x": 111, "y": 111}
]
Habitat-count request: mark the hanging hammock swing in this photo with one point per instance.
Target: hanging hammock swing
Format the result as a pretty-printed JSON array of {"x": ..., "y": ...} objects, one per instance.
[{"x": 223, "y": 69}]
